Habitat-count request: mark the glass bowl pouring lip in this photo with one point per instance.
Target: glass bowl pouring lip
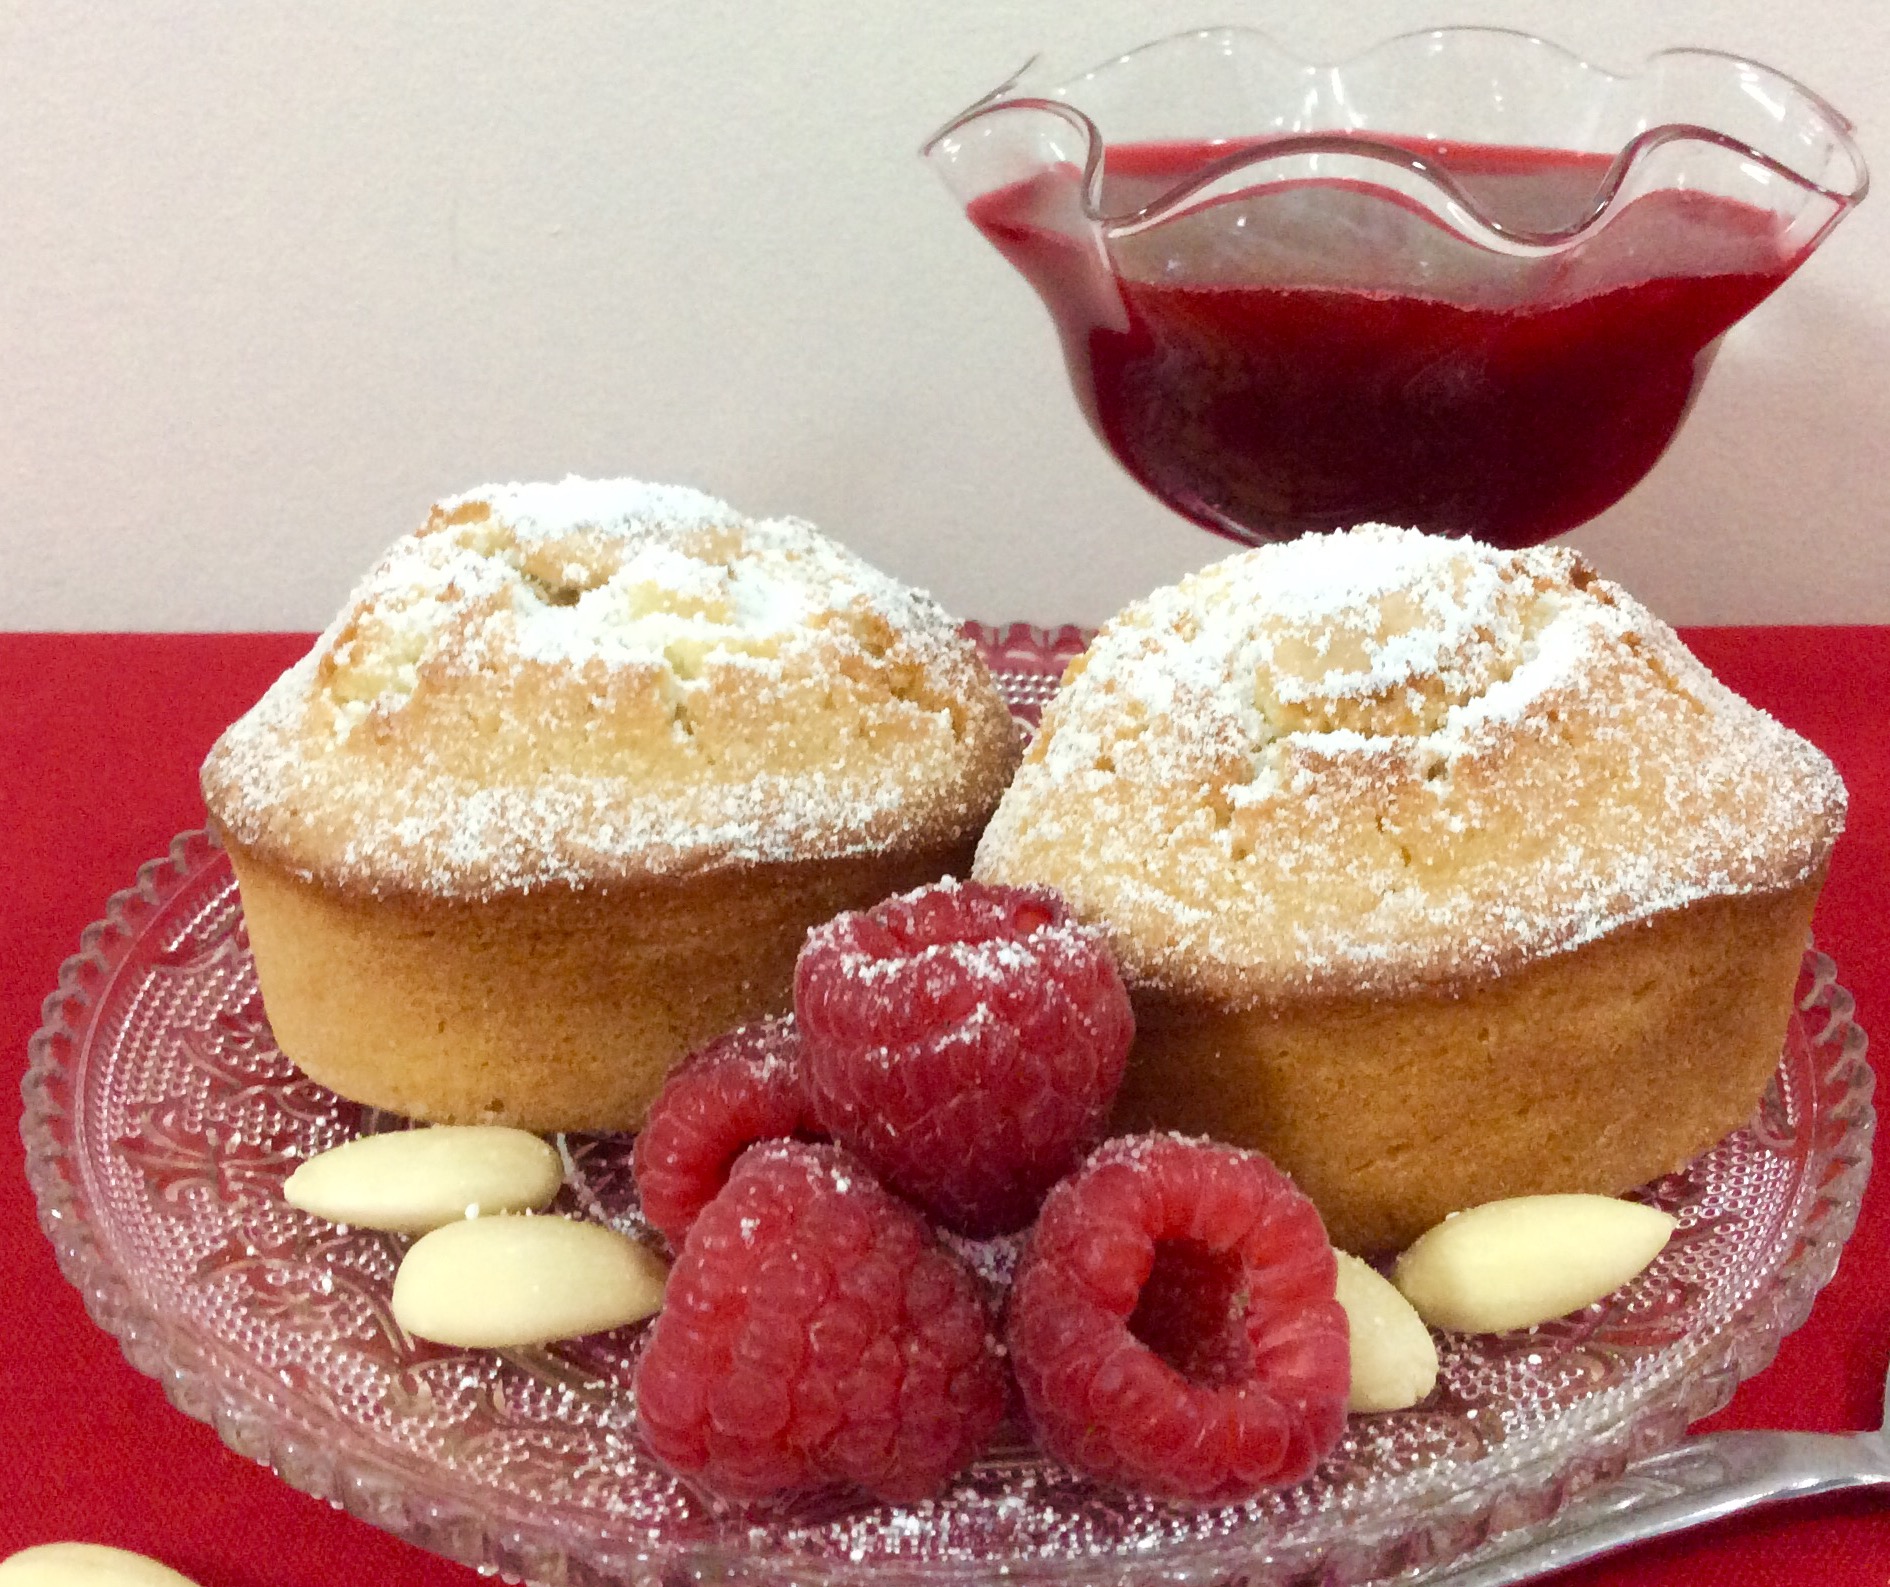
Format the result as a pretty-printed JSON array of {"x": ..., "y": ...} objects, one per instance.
[{"x": 1507, "y": 238}]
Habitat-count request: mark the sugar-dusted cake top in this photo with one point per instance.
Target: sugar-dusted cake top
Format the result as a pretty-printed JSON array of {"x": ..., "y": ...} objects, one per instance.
[
  {"x": 597, "y": 681},
  {"x": 1373, "y": 760}
]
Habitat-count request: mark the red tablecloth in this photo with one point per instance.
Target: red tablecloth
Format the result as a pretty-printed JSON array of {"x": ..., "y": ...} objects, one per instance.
[{"x": 101, "y": 737}]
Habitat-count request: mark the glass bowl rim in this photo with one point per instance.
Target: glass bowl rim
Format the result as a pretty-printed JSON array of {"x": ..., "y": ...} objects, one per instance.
[{"x": 1431, "y": 173}]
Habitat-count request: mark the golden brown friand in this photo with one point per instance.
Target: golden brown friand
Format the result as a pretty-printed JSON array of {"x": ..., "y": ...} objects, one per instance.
[
  {"x": 1439, "y": 873},
  {"x": 558, "y": 794}
]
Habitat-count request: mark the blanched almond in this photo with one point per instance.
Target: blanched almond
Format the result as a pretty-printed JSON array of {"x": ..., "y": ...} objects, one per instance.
[
  {"x": 498, "y": 1282},
  {"x": 1394, "y": 1360},
  {"x": 85, "y": 1565},
  {"x": 410, "y": 1181},
  {"x": 1512, "y": 1264}
]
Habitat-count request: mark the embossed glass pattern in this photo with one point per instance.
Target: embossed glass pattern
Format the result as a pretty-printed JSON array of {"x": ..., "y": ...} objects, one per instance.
[{"x": 161, "y": 1120}]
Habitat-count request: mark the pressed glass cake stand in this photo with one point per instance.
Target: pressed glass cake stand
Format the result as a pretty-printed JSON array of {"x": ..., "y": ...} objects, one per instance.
[{"x": 161, "y": 1120}]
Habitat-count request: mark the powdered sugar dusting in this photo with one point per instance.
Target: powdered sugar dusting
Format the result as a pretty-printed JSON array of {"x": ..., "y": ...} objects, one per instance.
[
  {"x": 936, "y": 973},
  {"x": 603, "y": 679},
  {"x": 1375, "y": 758},
  {"x": 540, "y": 510}
]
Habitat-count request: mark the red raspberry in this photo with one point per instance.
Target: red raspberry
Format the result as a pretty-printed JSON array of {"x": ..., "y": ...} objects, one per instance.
[
  {"x": 814, "y": 1331},
  {"x": 1173, "y": 1326},
  {"x": 967, "y": 1042},
  {"x": 742, "y": 1088}
]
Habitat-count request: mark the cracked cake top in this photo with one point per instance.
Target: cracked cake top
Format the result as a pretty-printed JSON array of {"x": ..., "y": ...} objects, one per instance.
[
  {"x": 1375, "y": 760},
  {"x": 601, "y": 681}
]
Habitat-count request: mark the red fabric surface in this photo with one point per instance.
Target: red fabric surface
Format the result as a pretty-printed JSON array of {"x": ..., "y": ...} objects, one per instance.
[{"x": 100, "y": 738}]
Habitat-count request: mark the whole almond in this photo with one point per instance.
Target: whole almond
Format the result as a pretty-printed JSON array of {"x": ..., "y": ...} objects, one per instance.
[
  {"x": 410, "y": 1181},
  {"x": 85, "y": 1565},
  {"x": 1394, "y": 1359},
  {"x": 1516, "y": 1263},
  {"x": 493, "y": 1283}
]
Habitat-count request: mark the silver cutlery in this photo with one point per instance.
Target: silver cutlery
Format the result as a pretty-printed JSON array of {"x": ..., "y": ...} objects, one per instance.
[{"x": 1699, "y": 1480}]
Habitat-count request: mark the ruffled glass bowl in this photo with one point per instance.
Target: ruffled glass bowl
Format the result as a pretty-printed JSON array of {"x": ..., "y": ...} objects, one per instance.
[
  {"x": 161, "y": 1121},
  {"x": 1465, "y": 280}
]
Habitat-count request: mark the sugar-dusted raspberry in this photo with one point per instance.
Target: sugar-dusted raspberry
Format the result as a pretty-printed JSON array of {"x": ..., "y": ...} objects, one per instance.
[
  {"x": 967, "y": 1042},
  {"x": 1173, "y": 1327},
  {"x": 742, "y": 1088},
  {"x": 813, "y": 1332}
]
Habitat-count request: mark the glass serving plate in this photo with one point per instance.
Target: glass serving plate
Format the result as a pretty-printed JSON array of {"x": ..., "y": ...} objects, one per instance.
[{"x": 161, "y": 1121}]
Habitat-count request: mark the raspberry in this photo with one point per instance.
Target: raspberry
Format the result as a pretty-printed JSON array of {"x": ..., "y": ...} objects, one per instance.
[
  {"x": 814, "y": 1331},
  {"x": 966, "y": 1041},
  {"x": 740, "y": 1089},
  {"x": 1173, "y": 1327}
]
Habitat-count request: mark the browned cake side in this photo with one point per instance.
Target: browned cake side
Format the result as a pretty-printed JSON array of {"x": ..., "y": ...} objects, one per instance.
[
  {"x": 551, "y": 1010},
  {"x": 1594, "y": 1070}
]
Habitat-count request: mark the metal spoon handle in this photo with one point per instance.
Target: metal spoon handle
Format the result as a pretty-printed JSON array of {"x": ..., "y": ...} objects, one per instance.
[{"x": 1693, "y": 1483}]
